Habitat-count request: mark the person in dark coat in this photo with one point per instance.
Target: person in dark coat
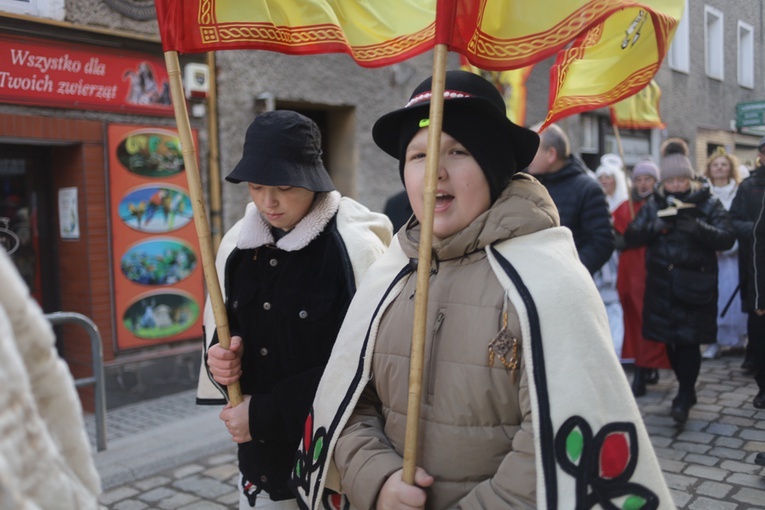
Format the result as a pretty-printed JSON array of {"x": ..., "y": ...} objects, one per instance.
[
  {"x": 749, "y": 195},
  {"x": 579, "y": 198},
  {"x": 300, "y": 249},
  {"x": 630, "y": 282},
  {"x": 680, "y": 307},
  {"x": 744, "y": 210},
  {"x": 398, "y": 209}
]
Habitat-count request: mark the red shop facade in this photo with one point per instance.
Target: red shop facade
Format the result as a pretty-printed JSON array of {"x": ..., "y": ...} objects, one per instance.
[{"x": 94, "y": 206}]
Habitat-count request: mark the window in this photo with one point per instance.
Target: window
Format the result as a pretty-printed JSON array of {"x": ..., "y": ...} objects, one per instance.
[
  {"x": 745, "y": 55},
  {"x": 19, "y": 6},
  {"x": 53, "y": 9},
  {"x": 679, "y": 50},
  {"x": 713, "y": 39}
]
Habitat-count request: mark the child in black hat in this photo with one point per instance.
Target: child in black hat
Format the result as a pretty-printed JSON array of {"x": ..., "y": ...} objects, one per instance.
[
  {"x": 291, "y": 267},
  {"x": 518, "y": 358}
]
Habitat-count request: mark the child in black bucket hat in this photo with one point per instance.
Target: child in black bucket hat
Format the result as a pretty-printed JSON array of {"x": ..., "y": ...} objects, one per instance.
[
  {"x": 519, "y": 364},
  {"x": 289, "y": 268}
]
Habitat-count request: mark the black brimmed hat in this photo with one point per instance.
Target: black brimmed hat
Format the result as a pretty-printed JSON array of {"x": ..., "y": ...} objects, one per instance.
[
  {"x": 283, "y": 148},
  {"x": 475, "y": 115}
]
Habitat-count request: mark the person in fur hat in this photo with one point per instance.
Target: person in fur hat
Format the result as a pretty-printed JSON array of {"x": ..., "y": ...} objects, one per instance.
[
  {"x": 630, "y": 283},
  {"x": 519, "y": 364},
  {"x": 290, "y": 268},
  {"x": 683, "y": 225}
]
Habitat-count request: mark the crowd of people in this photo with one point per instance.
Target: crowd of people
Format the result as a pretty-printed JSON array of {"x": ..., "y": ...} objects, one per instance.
[
  {"x": 546, "y": 279},
  {"x": 521, "y": 313}
]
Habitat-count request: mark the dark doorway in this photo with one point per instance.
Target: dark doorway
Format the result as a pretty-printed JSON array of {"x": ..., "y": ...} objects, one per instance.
[{"x": 26, "y": 219}]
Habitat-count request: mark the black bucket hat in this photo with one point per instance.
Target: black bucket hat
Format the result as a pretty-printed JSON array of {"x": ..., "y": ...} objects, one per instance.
[
  {"x": 283, "y": 148},
  {"x": 475, "y": 114}
]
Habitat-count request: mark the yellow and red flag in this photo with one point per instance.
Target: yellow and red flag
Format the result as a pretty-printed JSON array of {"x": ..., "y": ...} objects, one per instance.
[
  {"x": 640, "y": 111},
  {"x": 607, "y": 50},
  {"x": 511, "y": 84},
  {"x": 613, "y": 59}
]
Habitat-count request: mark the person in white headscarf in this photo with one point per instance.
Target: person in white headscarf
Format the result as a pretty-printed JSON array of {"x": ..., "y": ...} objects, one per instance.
[
  {"x": 611, "y": 178},
  {"x": 610, "y": 175}
]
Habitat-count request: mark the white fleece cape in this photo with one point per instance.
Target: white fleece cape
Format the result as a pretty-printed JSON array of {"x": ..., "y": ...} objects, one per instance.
[
  {"x": 45, "y": 459},
  {"x": 366, "y": 235},
  {"x": 591, "y": 444}
]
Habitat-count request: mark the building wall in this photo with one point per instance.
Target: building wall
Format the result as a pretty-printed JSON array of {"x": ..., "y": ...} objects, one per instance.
[
  {"x": 325, "y": 81},
  {"x": 693, "y": 101}
]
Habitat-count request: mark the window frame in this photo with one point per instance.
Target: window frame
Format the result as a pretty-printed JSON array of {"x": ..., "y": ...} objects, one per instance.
[
  {"x": 714, "y": 43},
  {"x": 745, "y": 54}
]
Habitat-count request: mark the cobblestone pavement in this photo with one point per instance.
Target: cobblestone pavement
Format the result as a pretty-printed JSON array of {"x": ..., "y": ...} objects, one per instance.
[{"x": 708, "y": 463}]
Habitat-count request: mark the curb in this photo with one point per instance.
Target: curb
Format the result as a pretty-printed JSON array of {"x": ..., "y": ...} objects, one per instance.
[{"x": 161, "y": 448}]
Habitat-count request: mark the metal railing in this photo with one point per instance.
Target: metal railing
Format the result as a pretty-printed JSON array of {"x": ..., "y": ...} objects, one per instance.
[{"x": 97, "y": 378}]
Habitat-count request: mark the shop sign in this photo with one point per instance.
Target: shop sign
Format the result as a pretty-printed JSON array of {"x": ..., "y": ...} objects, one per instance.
[
  {"x": 45, "y": 73},
  {"x": 750, "y": 114},
  {"x": 158, "y": 280}
]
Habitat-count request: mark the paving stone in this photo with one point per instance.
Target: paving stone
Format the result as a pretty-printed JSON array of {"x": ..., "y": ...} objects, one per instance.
[
  {"x": 671, "y": 466},
  {"x": 751, "y": 496},
  {"x": 178, "y": 500},
  {"x": 203, "y": 505},
  {"x": 660, "y": 442},
  {"x": 736, "y": 420},
  {"x": 149, "y": 483},
  {"x": 720, "y": 429},
  {"x": 118, "y": 494},
  {"x": 708, "y": 473},
  {"x": 754, "y": 446},
  {"x": 711, "y": 504},
  {"x": 692, "y": 447},
  {"x": 742, "y": 467},
  {"x": 680, "y": 482},
  {"x": 746, "y": 480},
  {"x": 697, "y": 437},
  {"x": 727, "y": 453},
  {"x": 680, "y": 498},
  {"x": 703, "y": 460},
  {"x": 753, "y": 435},
  {"x": 203, "y": 486},
  {"x": 222, "y": 472},
  {"x": 729, "y": 442},
  {"x": 130, "y": 504},
  {"x": 715, "y": 490},
  {"x": 187, "y": 470},
  {"x": 157, "y": 494}
]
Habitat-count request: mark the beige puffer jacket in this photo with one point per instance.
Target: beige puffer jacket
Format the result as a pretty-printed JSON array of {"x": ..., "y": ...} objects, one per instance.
[{"x": 476, "y": 434}]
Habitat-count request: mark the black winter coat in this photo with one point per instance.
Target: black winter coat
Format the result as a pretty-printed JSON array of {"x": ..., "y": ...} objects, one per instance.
[
  {"x": 681, "y": 286},
  {"x": 288, "y": 308},
  {"x": 583, "y": 208},
  {"x": 744, "y": 210}
]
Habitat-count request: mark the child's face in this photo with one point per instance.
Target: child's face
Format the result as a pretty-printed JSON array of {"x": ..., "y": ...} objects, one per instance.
[
  {"x": 719, "y": 169},
  {"x": 677, "y": 184},
  {"x": 281, "y": 206},
  {"x": 462, "y": 192}
]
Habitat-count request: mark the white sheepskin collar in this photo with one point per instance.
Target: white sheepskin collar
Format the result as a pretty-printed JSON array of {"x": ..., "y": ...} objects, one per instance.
[{"x": 256, "y": 231}]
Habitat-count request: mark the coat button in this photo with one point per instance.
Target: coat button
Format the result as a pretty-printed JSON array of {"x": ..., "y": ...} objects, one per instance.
[
  {"x": 235, "y": 304},
  {"x": 263, "y": 478},
  {"x": 273, "y": 262},
  {"x": 303, "y": 314},
  {"x": 264, "y": 351},
  {"x": 266, "y": 306}
]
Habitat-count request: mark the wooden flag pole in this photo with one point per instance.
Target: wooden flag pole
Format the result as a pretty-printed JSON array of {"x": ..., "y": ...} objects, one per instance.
[
  {"x": 423, "y": 265},
  {"x": 200, "y": 212},
  {"x": 620, "y": 147}
]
